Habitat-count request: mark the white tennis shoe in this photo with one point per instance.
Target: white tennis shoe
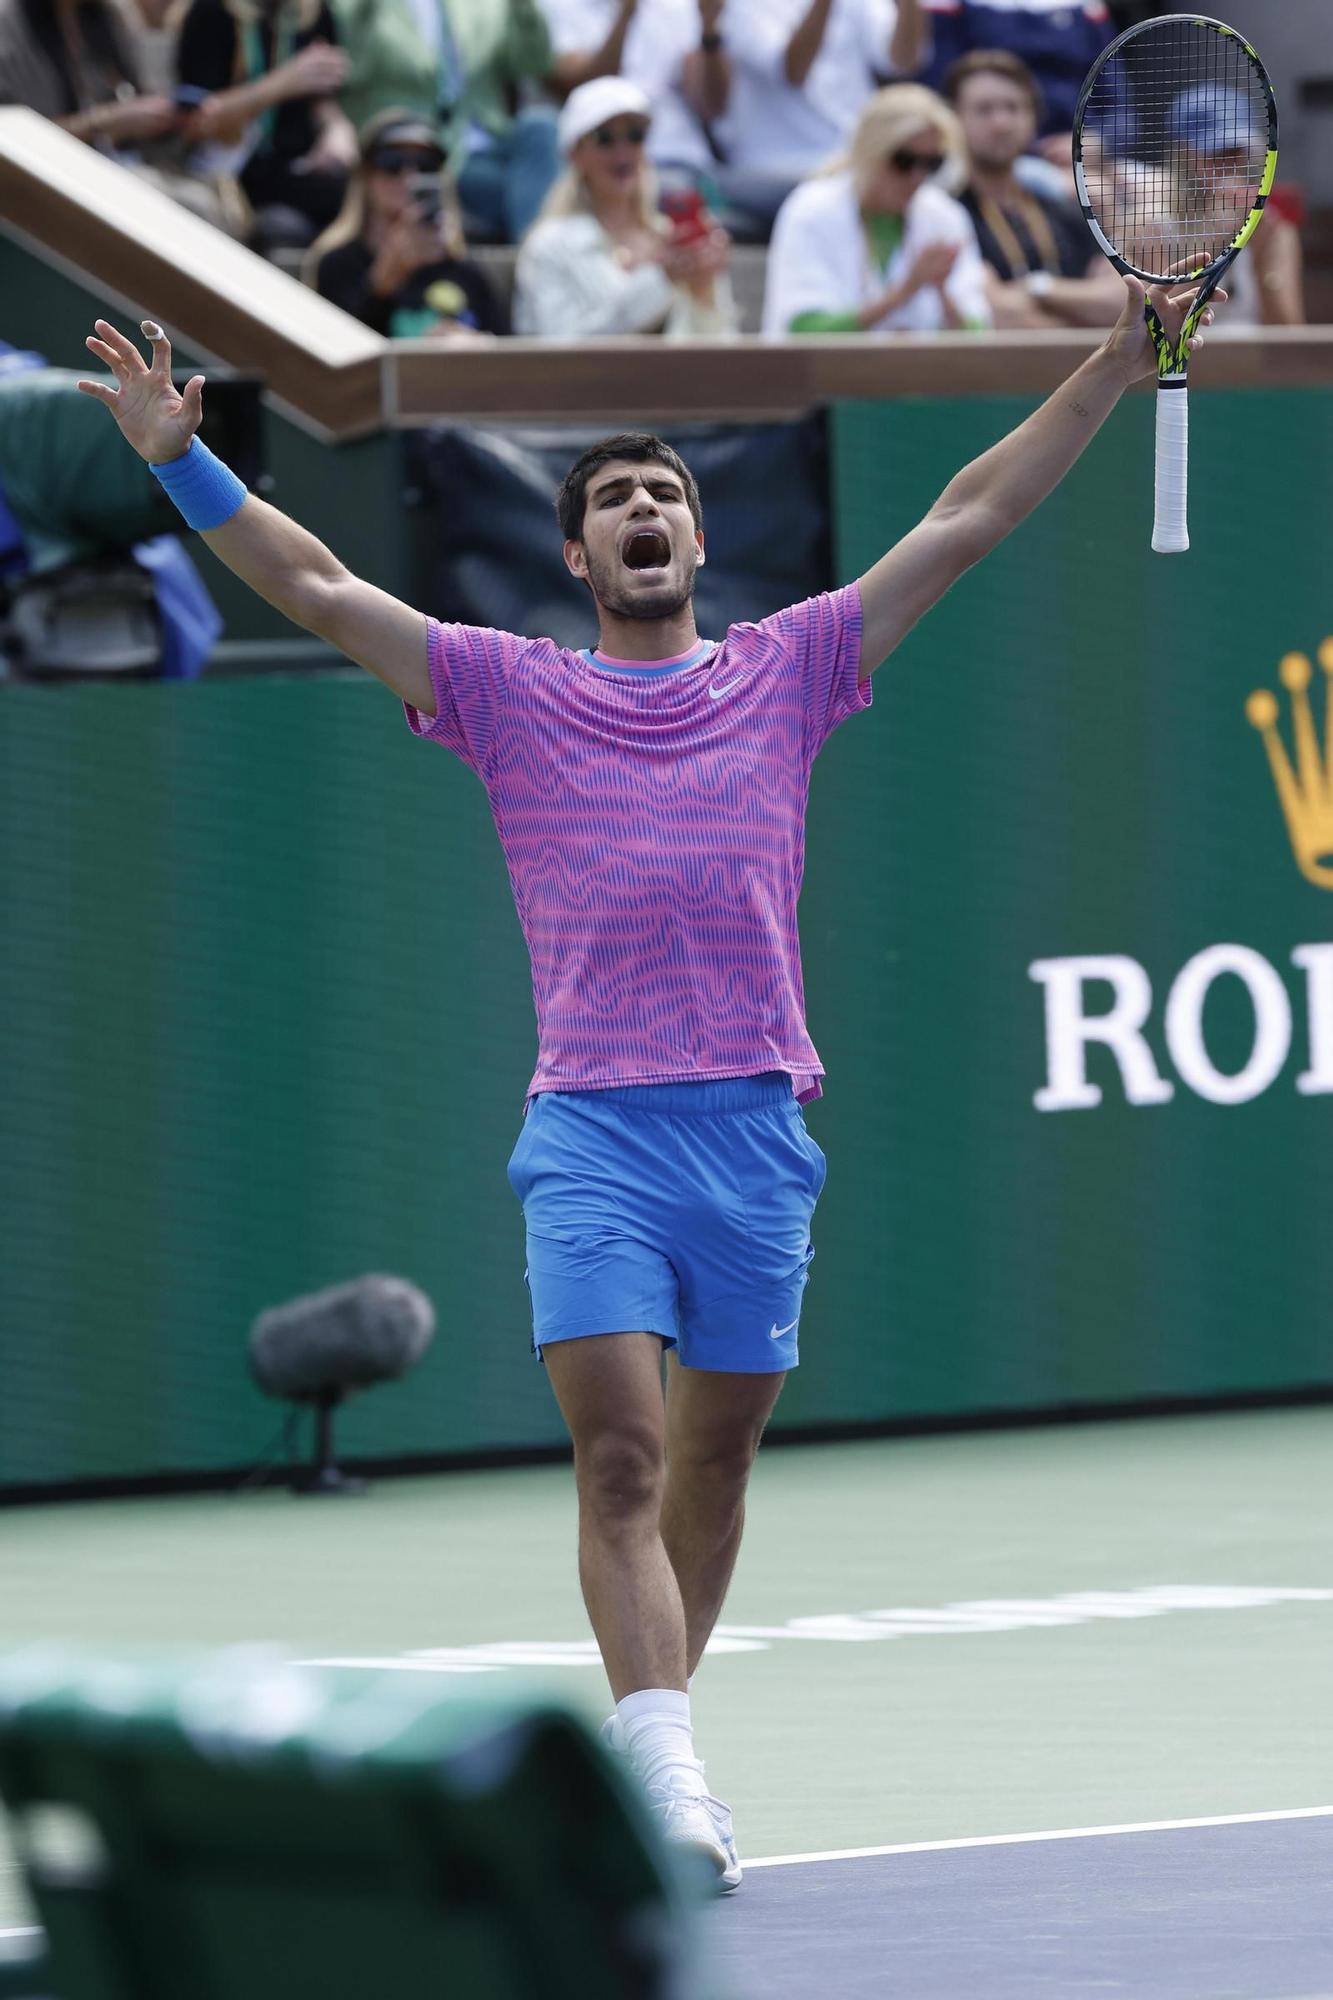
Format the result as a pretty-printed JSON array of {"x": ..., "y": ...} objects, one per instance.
[
  {"x": 699, "y": 1824},
  {"x": 689, "y": 1819}
]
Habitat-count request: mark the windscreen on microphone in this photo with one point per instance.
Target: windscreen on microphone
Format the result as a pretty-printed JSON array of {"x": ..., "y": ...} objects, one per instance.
[{"x": 346, "y": 1337}]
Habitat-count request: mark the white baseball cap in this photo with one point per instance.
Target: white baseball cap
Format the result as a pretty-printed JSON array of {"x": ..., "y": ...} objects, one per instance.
[{"x": 593, "y": 104}]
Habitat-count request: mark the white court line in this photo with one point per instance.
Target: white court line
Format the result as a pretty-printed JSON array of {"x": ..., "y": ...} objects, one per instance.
[
  {"x": 24, "y": 1930},
  {"x": 1015, "y": 1839}
]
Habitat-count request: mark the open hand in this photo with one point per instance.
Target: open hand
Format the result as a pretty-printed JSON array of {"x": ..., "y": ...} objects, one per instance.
[
  {"x": 1130, "y": 341},
  {"x": 153, "y": 415}
]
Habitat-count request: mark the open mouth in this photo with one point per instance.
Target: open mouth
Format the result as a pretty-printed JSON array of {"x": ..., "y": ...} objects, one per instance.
[{"x": 647, "y": 548}]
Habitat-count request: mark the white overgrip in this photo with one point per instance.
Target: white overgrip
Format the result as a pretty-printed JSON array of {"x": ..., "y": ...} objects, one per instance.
[{"x": 1170, "y": 529}]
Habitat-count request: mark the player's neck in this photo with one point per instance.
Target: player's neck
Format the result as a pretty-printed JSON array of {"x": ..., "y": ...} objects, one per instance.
[
  {"x": 647, "y": 639},
  {"x": 997, "y": 184}
]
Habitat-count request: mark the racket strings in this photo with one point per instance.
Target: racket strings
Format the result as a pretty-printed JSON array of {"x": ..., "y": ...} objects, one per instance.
[{"x": 1175, "y": 145}]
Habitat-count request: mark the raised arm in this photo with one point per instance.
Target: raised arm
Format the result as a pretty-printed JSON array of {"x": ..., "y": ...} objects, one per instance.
[
  {"x": 576, "y": 66},
  {"x": 706, "y": 72},
  {"x": 805, "y": 42},
  {"x": 910, "y": 41},
  {"x": 287, "y": 566},
  {"x": 989, "y": 497}
]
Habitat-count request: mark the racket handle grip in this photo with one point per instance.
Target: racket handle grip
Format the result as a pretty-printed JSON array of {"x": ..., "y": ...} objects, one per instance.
[{"x": 1170, "y": 530}]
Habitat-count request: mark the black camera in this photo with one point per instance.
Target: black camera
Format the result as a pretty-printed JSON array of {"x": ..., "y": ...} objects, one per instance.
[{"x": 427, "y": 197}]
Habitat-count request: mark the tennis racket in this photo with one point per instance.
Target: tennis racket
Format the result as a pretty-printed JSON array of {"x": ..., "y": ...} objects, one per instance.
[{"x": 1175, "y": 149}]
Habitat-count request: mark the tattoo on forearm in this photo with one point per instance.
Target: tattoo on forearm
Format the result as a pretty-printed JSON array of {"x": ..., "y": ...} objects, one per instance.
[{"x": 1079, "y": 409}]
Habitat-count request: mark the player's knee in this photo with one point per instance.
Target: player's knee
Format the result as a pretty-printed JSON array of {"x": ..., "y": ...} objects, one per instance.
[
  {"x": 620, "y": 1473},
  {"x": 720, "y": 1458}
]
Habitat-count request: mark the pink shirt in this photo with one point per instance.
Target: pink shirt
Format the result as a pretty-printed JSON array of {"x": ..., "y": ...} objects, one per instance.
[{"x": 653, "y": 822}]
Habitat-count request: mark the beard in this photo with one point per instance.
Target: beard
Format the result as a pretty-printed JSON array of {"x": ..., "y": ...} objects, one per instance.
[{"x": 664, "y": 600}]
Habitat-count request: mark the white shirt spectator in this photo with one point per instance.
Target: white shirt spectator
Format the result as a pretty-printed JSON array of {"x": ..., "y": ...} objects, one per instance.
[
  {"x": 570, "y": 283},
  {"x": 661, "y": 35},
  {"x": 819, "y": 260},
  {"x": 774, "y": 127}
]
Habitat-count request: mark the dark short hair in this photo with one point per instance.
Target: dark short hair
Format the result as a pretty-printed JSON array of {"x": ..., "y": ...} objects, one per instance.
[
  {"x": 993, "y": 62},
  {"x": 635, "y": 448}
]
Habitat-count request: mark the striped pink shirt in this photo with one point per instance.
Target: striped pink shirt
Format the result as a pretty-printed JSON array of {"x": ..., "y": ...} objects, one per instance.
[{"x": 653, "y": 822}]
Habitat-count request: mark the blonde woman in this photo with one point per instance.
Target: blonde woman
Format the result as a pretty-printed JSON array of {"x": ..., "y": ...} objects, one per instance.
[
  {"x": 396, "y": 256},
  {"x": 601, "y": 259},
  {"x": 874, "y": 243},
  {"x": 263, "y": 77}
]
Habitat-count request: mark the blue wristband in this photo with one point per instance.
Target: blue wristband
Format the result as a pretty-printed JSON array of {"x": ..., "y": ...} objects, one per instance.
[{"x": 206, "y": 491}]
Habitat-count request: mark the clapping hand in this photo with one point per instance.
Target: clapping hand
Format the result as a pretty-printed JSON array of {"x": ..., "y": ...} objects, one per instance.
[{"x": 931, "y": 266}]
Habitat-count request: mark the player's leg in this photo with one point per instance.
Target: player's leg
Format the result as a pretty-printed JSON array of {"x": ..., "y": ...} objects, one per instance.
[
  {"x": 609, "y": 1388},
  {"x": 714, "y": 1424},
  {"x": 742, "y": 1258}
]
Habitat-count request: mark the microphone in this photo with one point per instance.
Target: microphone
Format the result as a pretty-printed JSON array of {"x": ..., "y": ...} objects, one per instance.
[{"x": 347, "y": 1337}]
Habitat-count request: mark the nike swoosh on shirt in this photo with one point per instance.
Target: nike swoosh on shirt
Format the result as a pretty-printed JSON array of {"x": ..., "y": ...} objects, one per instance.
[
  {"x": 716, "y": 693},
  {"x": 776, "y": 1332}
]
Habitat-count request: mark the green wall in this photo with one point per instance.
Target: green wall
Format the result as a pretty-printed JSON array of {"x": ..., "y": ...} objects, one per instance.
[
  {"x": 1059, "y": 763},
  {"x": 267, "y": 1019}
]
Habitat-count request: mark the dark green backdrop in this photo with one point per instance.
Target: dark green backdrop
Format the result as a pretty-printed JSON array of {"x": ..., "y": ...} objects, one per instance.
[{"x": 267, "y": 1019}]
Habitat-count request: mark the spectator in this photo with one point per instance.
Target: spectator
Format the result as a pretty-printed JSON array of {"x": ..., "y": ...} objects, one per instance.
[
  {"x": 71, "y": 60},
  {"x": 266, "y": 74},
  {"x": 1042, "y": 266},
  {"x": 396, "y": 257},
  {"x": 1214, "y": 165},
  {"x": 601, "y": 258},
  {"x": 801, "y": 71},
  {"x": 673, "y": 49},
  {"x": 105, "y": 70},
  {"x": 153, "y": 27},
  {"x": 1059, "y": 40},
  {"x": 463, "y": 62},
  {"x": 873, "y": 243}
]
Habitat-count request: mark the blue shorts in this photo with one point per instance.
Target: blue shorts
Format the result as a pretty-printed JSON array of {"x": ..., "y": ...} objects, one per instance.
[{"x": 681, "y": 1209}]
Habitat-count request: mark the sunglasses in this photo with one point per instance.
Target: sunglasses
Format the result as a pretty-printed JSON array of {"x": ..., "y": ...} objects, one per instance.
[
  {"x": 393, "y": 160},
  {"x": 607, "y": 136},
  {"x": 907, "y": 162}
]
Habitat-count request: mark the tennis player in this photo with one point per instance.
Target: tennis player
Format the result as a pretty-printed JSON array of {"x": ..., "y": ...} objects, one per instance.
[{"x": 650, "y": 795}]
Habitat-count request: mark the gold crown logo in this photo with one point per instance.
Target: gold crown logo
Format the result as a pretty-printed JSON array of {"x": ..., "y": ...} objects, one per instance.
[{"x": 1306, "y": 792}]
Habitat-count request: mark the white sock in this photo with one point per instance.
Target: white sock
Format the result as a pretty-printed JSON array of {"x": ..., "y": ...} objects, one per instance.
[
  {"x": 656, "y": 1726},
  {"x": 615, "y": 1728}
]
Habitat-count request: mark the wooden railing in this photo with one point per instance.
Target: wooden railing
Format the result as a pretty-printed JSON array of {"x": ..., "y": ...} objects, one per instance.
[
  {"x": 146, "y": 254},
  {"x": 70, "y": 206}
]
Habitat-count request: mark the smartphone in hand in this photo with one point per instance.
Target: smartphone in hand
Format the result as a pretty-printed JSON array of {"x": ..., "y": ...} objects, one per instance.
[{"x": 688, "y": 214}]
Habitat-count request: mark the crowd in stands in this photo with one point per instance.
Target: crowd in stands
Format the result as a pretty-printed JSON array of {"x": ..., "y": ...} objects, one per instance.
[{"x": 906, "y": 161}]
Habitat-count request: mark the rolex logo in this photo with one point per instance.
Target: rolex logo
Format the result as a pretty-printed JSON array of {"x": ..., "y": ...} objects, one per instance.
[{"x": 1305, "y": 790}]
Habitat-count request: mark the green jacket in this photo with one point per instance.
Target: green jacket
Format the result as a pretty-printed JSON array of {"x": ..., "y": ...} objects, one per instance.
[
  {"x": 72, "y": 481},
  {"x": 499, "y": 42}
]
